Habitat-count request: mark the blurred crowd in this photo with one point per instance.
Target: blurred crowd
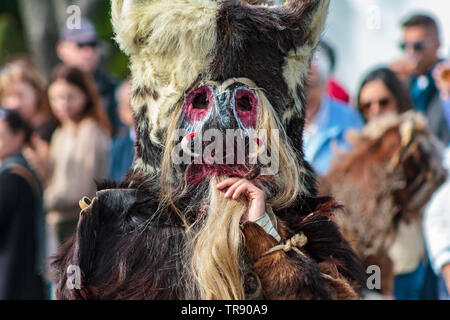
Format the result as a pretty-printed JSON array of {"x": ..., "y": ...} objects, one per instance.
[
  {"x": 348, "y": 139},
  {"x": 57, "y": 139},
  {"x": 60, "y": 136}
]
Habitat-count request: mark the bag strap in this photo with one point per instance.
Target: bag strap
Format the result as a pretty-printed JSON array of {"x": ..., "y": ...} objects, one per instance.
[{"x": 23, "y": 172}]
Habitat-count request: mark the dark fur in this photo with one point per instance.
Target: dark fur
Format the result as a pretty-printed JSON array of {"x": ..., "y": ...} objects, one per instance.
[
  {"x": 244, "y": 32},
  {"x": 129, "y": 248},
  {"x": 149, "y": 152},
  {"x": 377, "y": 196},
  {"x": 125, "y": 251}
]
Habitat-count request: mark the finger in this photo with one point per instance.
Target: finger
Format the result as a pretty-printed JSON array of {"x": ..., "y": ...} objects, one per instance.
[
  {"x": 252, "y": 192},
  {"x": 233, "y": 188},
  {"x": 241, "y": 189},
  {"x": 227, "y": 182}
]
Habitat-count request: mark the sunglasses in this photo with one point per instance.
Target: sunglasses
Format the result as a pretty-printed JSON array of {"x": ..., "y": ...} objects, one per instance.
[
  {"x": 419, "y": 46},
  {"x": 92, "y": 44},
  {"x": 383, "y": 103}
]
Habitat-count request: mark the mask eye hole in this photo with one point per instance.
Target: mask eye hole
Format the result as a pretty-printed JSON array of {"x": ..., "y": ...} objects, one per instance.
[
  {"x": 200, "y": 101},
  {"x": 198, "y": 104},
  {"x": 246, "y": 104}
]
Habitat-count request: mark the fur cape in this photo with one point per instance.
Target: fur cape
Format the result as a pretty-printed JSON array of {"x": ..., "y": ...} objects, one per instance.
[
  {"x": 125, "y": 254},
  {"x": 388, "y": 178},
  {"x": 125, "y": 246}
]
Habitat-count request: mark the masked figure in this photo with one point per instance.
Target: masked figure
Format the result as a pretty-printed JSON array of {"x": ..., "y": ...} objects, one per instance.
[{"x": 217, "y": 93}]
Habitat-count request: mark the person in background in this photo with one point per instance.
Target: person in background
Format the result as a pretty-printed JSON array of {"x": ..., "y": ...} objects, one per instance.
[
  {"x": 22, "y": 224},
  {"x": 79, "y": 148},
  {"x": 79, "y": 48},
  {"x": 436, "y": 227},
  {"x": 122, "y": 150},
  {"x": 327, "y": 121},
  {"x": 334, "y": 89},
  {"x": 22, "y": 89},
  {"x": 421, "y": 45},
  {"x": 441, "y": 76},
  {"x": 381, "y": 92}
]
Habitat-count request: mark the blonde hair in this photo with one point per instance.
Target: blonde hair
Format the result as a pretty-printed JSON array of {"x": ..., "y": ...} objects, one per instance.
[
  {"x": 213, "y": 247},
  {"x": 23, "y": 69},
  {"x": 287, "y": 181}
]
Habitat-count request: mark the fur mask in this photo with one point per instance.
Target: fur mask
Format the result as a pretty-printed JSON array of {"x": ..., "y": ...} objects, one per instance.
[{"x": 184, "y": 51}]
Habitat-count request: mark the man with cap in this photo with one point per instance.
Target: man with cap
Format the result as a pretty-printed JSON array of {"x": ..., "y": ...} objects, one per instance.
[{"x": 78, "y": 47}]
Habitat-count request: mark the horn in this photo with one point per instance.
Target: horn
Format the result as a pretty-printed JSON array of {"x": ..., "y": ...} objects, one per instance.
[{"x": 307, "y": 16}]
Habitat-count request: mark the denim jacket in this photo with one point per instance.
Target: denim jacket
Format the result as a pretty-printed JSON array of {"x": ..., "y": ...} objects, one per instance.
[{"x": 327, "y": 129}]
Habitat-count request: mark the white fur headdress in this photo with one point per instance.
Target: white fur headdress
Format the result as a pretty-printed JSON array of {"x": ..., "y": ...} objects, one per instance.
[{"x": 174, "y": 45}]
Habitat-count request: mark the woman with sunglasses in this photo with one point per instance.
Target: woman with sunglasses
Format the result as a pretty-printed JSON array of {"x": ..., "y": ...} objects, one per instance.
[
  {"x": 382, "y": 92},
  {"x": 78, "y": 150}
]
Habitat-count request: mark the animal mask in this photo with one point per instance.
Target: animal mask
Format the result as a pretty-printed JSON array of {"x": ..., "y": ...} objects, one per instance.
[{"x": 213, "y": 62}]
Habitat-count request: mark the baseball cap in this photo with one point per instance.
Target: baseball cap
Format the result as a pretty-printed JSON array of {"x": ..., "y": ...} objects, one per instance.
[{"x": 85, "y": 34}]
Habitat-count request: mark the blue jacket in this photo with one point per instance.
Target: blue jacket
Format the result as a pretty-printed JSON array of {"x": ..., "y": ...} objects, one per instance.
[
  {"x": 446, "y": 106},
  {"x": 122, "y": 156},
  {"x": 426, "y": 100},
  {"x": 329, "y": 127}
]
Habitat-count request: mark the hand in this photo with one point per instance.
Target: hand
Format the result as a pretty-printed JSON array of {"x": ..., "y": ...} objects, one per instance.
[
  {"x": 256, "y": 197},
  {"x": 441, "y": 76},
  {"x": 403, "y": 68}
]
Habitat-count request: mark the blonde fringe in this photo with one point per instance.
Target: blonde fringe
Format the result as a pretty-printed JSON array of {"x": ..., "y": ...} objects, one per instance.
[
  {"x": 212, "y": 254},
  {"x": 215, "y": 262},
  {"x": 288, "y": 178}
]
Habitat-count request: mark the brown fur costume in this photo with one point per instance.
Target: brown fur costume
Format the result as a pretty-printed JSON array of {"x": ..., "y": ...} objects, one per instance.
[
  {"x": 388, "y": 178},
  {"x": 133, "y": 239}
]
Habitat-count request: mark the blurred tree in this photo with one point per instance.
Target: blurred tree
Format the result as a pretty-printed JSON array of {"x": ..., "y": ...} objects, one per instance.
[
  {"x": 115, "y": 61},
  {"x": 10, "y": 26},
  {"x": 42, "y": 21},
  {"x": 41, "y": 31}
]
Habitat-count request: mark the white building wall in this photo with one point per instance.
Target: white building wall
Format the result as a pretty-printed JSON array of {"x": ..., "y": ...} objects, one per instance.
[{"x": 366, "y": 33}]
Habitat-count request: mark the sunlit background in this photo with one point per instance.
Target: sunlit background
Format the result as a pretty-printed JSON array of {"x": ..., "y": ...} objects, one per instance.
[
  {"x": 364, "y": 33},
  {"x": 367, "y": 33}
]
